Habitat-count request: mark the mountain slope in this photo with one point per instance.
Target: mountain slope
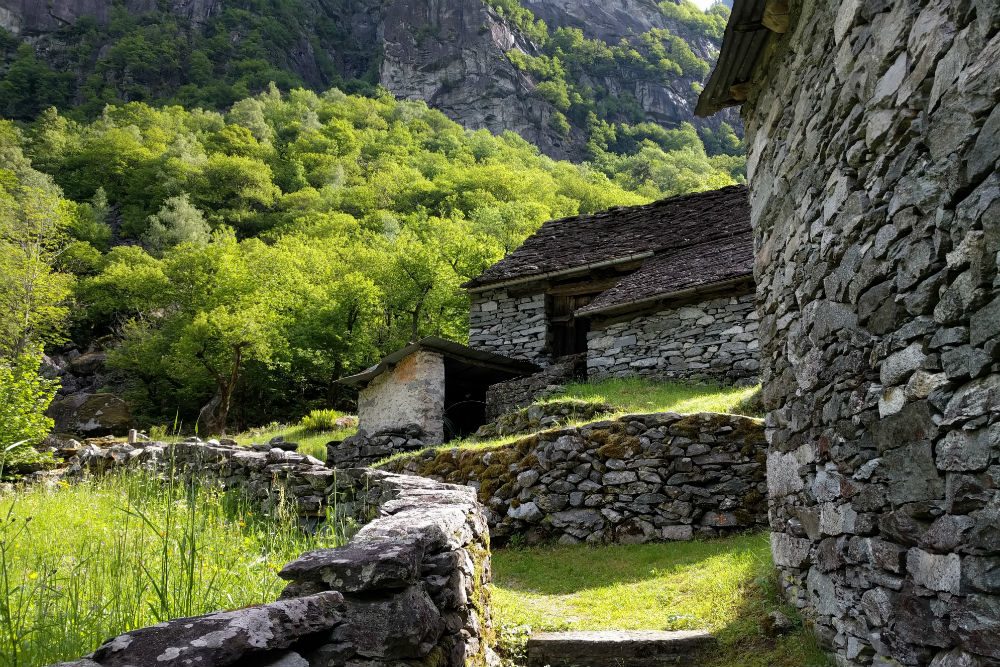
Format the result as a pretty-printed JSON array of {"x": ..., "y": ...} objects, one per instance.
[{"x": 485, "y": 63}]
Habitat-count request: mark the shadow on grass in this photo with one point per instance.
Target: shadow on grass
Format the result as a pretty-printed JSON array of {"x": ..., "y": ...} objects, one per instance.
[
  {"x": 562, "y": 570},
  {"x": 726, "y": 586}
]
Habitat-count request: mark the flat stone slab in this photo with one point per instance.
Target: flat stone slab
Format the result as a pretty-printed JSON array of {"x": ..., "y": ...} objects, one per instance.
[{"x": 620, "y": 648}]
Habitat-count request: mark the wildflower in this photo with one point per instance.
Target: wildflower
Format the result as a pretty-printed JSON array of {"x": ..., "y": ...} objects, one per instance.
[{"x": 32, "y": 575}]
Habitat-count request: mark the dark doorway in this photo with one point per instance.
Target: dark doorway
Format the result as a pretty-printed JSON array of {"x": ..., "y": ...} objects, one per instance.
[
  {"x": 569, "y": 334},
  {"x": 466, "y": 382}
]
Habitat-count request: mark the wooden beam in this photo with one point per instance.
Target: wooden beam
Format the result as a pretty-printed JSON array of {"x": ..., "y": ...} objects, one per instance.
[{"x": 776, "y": 18}]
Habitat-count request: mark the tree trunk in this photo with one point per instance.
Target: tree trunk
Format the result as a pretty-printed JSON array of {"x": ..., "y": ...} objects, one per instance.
[{"x": 209, "y": 422}]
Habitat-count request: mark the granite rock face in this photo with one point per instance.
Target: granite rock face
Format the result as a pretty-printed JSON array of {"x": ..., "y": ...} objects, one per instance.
[
  {"x": 876, "y": 206},
  {"x": 639, "y": 478},
  {"x": 451, "y": 55}
]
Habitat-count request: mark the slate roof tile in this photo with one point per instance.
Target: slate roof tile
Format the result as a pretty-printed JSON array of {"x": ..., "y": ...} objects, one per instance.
[
  {"x": 622, "y": 233},
  {"x": 689, "y": 267}
]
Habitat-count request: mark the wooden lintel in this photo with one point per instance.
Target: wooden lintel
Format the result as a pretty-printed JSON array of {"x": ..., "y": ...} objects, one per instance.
[
  {"x": 740, "y": 91},
  {"x": 776, "y": 16}
]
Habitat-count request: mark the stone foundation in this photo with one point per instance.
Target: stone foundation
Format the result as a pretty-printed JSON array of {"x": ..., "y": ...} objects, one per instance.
[
  {"x": 714, "y": 339},
  {"x": 640, "y": 478},
  {"x": 874, "y": 135}
]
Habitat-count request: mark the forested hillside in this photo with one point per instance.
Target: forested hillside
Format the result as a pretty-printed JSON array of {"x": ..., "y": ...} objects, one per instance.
[
  {"x": 560, "y": 82},
  {"x": 249, "y": 258}
]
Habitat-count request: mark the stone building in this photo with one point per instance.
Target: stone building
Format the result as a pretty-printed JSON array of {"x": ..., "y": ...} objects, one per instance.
[
  {"x": 432, "y": 391},
  {"x": 874, "y": 136},
  {"x": 662, "y": 290}
]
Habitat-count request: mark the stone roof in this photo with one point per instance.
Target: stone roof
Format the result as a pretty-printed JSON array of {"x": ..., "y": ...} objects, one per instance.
[
  {"x": 623, "y": 234},
  {"x": 683, "y": 269},
  {"x": 448, "y": 348}
]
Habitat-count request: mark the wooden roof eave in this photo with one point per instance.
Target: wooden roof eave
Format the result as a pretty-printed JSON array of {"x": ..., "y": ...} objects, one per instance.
[{"x": 751, "y": 24}]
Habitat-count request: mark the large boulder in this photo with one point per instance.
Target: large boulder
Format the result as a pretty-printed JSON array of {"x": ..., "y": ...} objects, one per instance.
[{"x": 91, "y": 414}]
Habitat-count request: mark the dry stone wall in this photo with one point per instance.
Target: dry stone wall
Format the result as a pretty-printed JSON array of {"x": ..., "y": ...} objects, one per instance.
[
  {"x": 506, "y": 397},
  {"x": 362, "y": 450},
  {"x": 874, "y": 135},
  {"x": 514, "y": 326},
  {"x": 544, "y": 416},
  {"x": 714, "y": 339},
  {"x": 639, "y": 478},
  {"x": 409, "y": 589}
]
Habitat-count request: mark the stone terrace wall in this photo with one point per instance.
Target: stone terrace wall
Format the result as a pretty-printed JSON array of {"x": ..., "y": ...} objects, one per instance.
[
  {"x": 506, "y": 397},
  {"x": 639, "y": 478},
  {"x": 712, "y": 339},
  {"x": 408, "y": 589},
  {"x": 515, "y": 327},
  {"x": 362, "y": 450},
  {"x": 874, "y": 136}
]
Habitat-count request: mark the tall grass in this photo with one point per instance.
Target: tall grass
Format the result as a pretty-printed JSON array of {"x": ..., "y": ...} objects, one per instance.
[{"x": 82, "y": 563}]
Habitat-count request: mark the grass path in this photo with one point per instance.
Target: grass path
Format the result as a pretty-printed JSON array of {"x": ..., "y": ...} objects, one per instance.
[{"x": 725, "y": 586}]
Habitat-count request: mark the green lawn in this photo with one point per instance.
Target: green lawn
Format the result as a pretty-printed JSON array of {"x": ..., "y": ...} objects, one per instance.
[
  {"x": 725, "y": 586},
  {"x": 640, "y": 395},
  {"x": 82, "y": 563}
]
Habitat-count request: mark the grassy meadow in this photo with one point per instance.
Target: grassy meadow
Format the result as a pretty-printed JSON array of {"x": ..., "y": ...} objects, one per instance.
[
  {"x": 641, "y": 395},
  {"x": 81, "y": 563},
  {"x": 725, "y": 586}
]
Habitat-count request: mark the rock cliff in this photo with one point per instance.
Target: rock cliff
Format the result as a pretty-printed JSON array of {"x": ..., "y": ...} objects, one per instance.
[{"x": 454, "y": 55}]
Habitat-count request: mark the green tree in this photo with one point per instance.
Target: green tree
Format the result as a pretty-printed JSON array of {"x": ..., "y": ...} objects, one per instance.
[
  {"x": 34, "y": 219},
  {"x": 24, "y": 397},
  {"x": 178, "y": 221}
]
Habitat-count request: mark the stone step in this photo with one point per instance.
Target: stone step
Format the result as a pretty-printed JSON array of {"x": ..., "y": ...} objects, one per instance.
[{"x": 617, "y": 648}]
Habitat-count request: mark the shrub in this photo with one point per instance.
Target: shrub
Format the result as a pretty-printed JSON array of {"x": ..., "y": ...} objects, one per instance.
[
  {"x": 24, "y": 397},
  {"x": 328, "y": 420}
]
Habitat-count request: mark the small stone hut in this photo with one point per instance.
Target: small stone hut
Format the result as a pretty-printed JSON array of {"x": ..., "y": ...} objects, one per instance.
[
  {"x": 663, "y": 290},
  {"x": 434, "y": 384}
]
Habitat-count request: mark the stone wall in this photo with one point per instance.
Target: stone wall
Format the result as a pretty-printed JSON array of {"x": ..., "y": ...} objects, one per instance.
[
  {"x": 362, "y": 450},
  {"x": 638, "y": 478},
  {"x": 514, "y": 326},
  {"x": 507, "y": 397},
  {"x": 873, "y": 134},
  {"x": 544, "y": 416},
  {"x": 714, "y": 339},
  {"x": 412, "y": 392},
  {"x": 410, "y": 588}
]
